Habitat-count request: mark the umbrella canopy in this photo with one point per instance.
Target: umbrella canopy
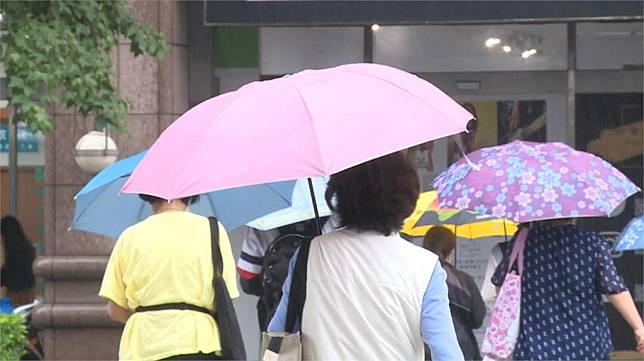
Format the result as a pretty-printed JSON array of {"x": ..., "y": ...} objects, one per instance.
[
  {"x": 632, "y": 237},
  {"x": 527, "y": 181},
  {"x": 312, "y": 123},
  {"x": 301, "y": 208},
  {"x": 493, "y": 228},
  {"x": 463, "y": 223},
  {"x": 101, "y": 200}
]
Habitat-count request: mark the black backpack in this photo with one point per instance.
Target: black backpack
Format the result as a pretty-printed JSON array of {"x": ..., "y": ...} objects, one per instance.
[{"x": 275, "y": 266}]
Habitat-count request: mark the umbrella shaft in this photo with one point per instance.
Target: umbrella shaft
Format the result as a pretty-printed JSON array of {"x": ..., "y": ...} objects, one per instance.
[{"x": 315, "y": 206}]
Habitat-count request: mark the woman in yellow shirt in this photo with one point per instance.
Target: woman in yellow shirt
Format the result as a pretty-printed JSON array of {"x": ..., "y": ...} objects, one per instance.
[{"x": 166, "y": 259}]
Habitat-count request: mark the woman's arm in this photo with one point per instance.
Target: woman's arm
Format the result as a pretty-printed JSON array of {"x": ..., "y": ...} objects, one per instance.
[
  {"x": 609, "y": 282},
  {"x": 624, "y": 304},
  {"x": 117, "y": 313},
  {"x": 113, "y": 286},
  {"x": 278, "y": 322},
  {"x": 436, "y": 323}
]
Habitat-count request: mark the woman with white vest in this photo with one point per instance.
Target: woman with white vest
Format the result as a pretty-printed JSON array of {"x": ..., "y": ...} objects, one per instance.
[{"x": 371, "y": 295}]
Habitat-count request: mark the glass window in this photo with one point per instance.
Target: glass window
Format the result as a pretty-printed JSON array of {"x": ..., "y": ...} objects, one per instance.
[
  {"x": 446, "y": 48},
  {"x": 289, "y": 50},
  {"x": 30, "y": 182},
  {"x": 610, "y": 45}
]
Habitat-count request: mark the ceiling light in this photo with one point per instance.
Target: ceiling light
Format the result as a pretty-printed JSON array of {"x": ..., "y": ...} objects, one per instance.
[
  {"x": 375, "y": 27},
  {"x": 491, "y": 42},
  {"x": 507, "y": 48}
]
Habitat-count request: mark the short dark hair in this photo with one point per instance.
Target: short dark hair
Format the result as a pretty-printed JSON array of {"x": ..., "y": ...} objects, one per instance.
[
  {"x": 440, "y": 240},
  {"x": 153, "y": 199},
  {"x": 377, "y": 195}
]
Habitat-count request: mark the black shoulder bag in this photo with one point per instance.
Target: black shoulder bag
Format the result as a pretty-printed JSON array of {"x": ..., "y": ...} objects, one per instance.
[{"x": 232, "y": 343}]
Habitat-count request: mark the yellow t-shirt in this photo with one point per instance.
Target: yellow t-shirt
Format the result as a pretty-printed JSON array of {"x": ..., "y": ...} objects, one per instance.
[{"x": 166, "y": 258}]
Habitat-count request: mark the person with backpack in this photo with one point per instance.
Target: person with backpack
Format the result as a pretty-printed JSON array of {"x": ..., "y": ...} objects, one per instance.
[
  {"x": 368, "y": 294},
  {"x": 263, "y": 262}
]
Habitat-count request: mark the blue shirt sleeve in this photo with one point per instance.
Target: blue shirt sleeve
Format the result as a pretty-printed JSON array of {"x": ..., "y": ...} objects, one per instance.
[
  {"x": 278, "y": 322},
  {"x": 436, "y": 324}
]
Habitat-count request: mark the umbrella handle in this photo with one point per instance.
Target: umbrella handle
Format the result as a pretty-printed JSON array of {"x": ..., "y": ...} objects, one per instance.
[{"x": 315, "y": 206}]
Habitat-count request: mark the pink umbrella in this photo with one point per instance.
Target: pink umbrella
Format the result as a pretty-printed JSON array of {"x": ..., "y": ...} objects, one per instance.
[{"x": 312, "y": 123}]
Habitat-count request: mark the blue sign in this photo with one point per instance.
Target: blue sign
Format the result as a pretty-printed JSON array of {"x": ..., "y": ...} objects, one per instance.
[{"x": 27, "y": 141}]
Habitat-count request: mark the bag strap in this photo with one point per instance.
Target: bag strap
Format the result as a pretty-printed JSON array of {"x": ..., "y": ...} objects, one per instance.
[
  {"x": 297, "y": 295},
  {"x": 182, "y": 306},
  {"x": 217, "y": 259},
  {"x": 517, "y": 250}
]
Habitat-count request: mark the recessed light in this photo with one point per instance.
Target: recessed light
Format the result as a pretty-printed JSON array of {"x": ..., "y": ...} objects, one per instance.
[
  {"x": 528, "y": 53},
  {"x": 491, "y": 42}
]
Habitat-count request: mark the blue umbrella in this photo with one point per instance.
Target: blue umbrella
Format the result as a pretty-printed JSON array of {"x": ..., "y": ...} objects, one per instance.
[
  {"x": 632, "y": 237},
  {"x": 102, "y": 209},
  {"x": 301, "y": 207}
]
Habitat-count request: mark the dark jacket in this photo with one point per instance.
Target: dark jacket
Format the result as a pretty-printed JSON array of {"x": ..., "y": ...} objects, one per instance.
[{"x": 467, "y": 308}]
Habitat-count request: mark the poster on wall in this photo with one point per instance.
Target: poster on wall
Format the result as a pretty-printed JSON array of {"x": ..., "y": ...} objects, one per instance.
[
  {"x": 499, "y": 122},
  {"x": 496, "y": 122},
  {"x": 429, "y": 159},
  {"x": 521, "y": 120},
  {"x": 481, "y": 131}
]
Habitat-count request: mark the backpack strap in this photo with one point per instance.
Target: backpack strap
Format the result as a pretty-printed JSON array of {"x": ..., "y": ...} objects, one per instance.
[{"x": 297, "y": 294}]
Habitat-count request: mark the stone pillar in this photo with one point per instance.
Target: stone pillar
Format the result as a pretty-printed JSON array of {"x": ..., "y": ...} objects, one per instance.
[{"x": 75, "y": 321}]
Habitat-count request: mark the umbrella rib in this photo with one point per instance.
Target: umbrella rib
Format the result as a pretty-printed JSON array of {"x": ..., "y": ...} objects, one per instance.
[
  {"x": 407, "y": 91},
  {"x": 315, "y": 134},
  {"x": 104, "y": 186}
]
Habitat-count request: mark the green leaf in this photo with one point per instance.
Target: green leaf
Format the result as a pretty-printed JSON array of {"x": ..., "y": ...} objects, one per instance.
[
  {"x": 14, "y": 335},
  {"x": 59, "y": 51},
  {"x": 16, "y": 82}
]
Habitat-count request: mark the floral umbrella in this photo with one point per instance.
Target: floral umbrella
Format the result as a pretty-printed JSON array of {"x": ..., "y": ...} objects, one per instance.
[{"x": 527, "y": 181}]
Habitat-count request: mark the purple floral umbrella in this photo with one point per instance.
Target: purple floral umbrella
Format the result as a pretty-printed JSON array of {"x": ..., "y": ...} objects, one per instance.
[{"x": 527, "y": 181}]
